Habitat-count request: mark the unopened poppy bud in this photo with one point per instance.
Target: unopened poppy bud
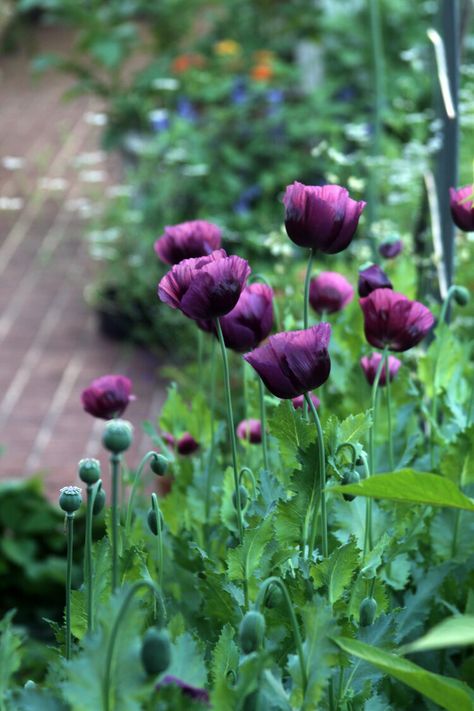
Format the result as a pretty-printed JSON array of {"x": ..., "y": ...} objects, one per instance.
[
  {"x": 152, "y": 520},
  {"x": 367, "y": 611},
  {"x": 251, "y": 631},
  {"x": 70, "y": 498},
  {"x": 159, "y": 465},
  {"x": 118, "y": 435},
  {"x": 243, "y": 497},
  {"x": 30, "y": 684},
  {"x": 350, "y": 476},
  {"x": 274, "y": 597},
  {"x": 156, "y": 651},
  {"x": 89, "y": 471},
  {"x": 99, "y": 502},
  {"x": 461, "y": 295}
]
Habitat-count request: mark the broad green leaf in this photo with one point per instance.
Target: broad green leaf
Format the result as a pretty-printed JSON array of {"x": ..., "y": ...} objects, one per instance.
[
  {"x": 292, "y": 432},
  {"x": 37, "y": 699},
  {"x": 224, "y": 668},
  {"x": 417, "y": 605},
  {"x": 187, "y": 661},
  {"x": 457, "y": 631},
  {"x": 448, "y": 693},
  {"x": 10, "y": 655},
  {"x": 243, "y": 561},
  {"x": 457, "y": 460},
  {"x": 353, "y": 430},
  {"x": 337, "y": 571},
  {"x": 442, "y": 362},
  {"x": 411, "y": 487}
]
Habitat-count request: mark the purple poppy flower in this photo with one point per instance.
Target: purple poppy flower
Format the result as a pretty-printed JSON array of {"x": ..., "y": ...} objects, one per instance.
[
  {"x": 293, "y": 362},
  {"x": 391, "y": 319},
  {"x": 370, "y": 364},
  {"x": 108, "y": 396},
  {"x": 391, "y": 248},
  {"x": 207, "y": 287},
  {"x": 462, "y": 207},
  {"x": 193, "y": 692},
  {"x": 371, "y": 278},
  {"x": 250, "y": 430},
  {"x": 298, "y": 402},
  {"x": 187, "y": 444},
  {"x": 323, "y": 218},
  {"x": 196, "y": 238},
  {"x": 330, "y": 292}
]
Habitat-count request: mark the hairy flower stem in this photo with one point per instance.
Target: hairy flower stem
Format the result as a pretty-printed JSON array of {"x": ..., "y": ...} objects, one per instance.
[
  {"x": 92, "y": 490},
  {"x": 263, "y": 421},
  {"x": 264, "y": 587},
  {"x": 322, "y": 485},
  {"x": 159, "y": 536},
  {"x": 116, "y": 627},
  {"x": 230, "y": 424},
  {"x": 368, "y": 513},
  {"x": 307, "y": 282},
  {"x": 70, "y": 540},
  {"x": 115, "y": 466},
  {"x": 128, "y": 519},
  {"x": 391, "y": 457},
  {"x": 211, "y": 449}
]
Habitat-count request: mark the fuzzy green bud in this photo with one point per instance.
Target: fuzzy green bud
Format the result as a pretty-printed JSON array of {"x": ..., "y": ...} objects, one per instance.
[
  {"x": 99, "y": 502},
  {"x": 70, "y": 498},
  {"x": 350, "y": 476},
  {"x": 153, "y": 521},
  {"x": 243, "y": 497},
  {"x": 367, "y": 611},
  {"x": 461, "y": 295},
  {"x": 118, "y": 435},
  {"x": 251, "y": 631},
  {"x": 159, "y": 465},
  {"x": 89, "y": 471},
  {"x": 156, "y": 651}
]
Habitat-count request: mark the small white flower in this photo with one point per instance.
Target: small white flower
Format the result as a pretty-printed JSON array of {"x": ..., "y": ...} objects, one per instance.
[
  {"x": 165, "y": 84},
  {"x": 13, "y": 162}
]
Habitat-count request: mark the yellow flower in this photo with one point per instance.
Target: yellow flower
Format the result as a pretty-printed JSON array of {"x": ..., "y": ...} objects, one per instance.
[{"x": 227, "y": 47}]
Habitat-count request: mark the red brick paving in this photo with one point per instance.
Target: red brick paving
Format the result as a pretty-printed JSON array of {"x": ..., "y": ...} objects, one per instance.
[{"x": 49, "y": 345}]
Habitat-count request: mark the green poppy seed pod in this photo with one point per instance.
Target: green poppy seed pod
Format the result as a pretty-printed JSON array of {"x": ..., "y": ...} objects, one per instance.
[
  {"x": 153, "y": 521},
  {"x": 159, "y": 465},
  {"x": 99, "y": 502},
  {"x": 350, "y": 476},
  {"x": 243, "y": 497},
  {"x": 156, "y": 651},
  {"x": 461, "y": 295},
  {"x": 89, "y": 471},
  {"x": 30, "y": 684},
  {"x": 251, "y": 631},
  {"x": 274, "y": 597},
  {"x": 118, "y": 435},
  {"x": 367, "y": 611},
  {"x": 70, "y": 498}
]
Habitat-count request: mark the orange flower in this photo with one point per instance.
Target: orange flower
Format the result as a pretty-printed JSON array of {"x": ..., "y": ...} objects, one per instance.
[
  {"x": 261, "y": 72},
  {"x": 184, "y": 62}
]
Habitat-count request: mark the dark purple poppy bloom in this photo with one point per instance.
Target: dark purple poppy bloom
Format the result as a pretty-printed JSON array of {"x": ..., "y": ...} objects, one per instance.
[
  {"x": 196, "y": 238},
  {"x": 371, "y": 278},
  {"x": 250, "y": 430},
  {"x": 193, "y": 692},
  {"x": 108, "y": 396},
  {"x": 391, "y": 248},
  {"x": 391, "y": 319},
  {"x": 298, "y": 402},
  {"x": 293, "y": 362},
  {"x": 187, "y": 444},
  {"x": 207, "y": 287},
  {"x": 330, "y": 292},
  {"x": 370, "y": 364},
  {"x": 462, "y": 207},
  {"x": 323, "y": 218}
]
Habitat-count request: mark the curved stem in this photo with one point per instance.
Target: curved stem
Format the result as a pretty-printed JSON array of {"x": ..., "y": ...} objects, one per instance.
[
  {"x": 115, "y": 630},
  {"x": 70, "y": 540},
  {"x": 263, "y": 421},
  {"x": 350, "y": 446},
  {"x": 296, "y": 632},
  {"x": 128, "y": 520},
  {"x": 230, "y": 423},
  {"x": 247, "y": 470},
  {"x": 322, "y": 485},
  {"x": 159, "y": 535},
  {"x": 115, "y": 465},
  {"x": 211, "y": 449},
  {"x": 307, "y": 281},
  {"x": 391, "y": 457}
]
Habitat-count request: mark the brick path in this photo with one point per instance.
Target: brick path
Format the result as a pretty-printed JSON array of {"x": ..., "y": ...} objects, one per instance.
[{"x": 49, "y": 346}]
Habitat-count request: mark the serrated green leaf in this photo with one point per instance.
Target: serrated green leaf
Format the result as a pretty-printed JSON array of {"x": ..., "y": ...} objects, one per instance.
[
  {"x": 440, "y": 366},
  {"x": 457, "y": 460},
  {"x": 187, "y": 661},
  {"x": 411, "y": 487},
  {"x": 455, "y": 631},
  {"x": 418, "y": 604},
  {"x": 360, "y": 589},
  {"x": 243, "y": 561},
  {"x": 10, "y": 657},
  {"x": 449, "y": 693},
  {"x": 225, "y": 662},
  {"x": 292, "y": 433},
  {"x": 337, "y": 571}
]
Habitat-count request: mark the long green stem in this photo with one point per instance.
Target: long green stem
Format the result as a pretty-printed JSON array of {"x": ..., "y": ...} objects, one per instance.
[
  {"x": 322, "y": 484},
  {"x": 263, "y": 421},
  {"x": 70, "y": 540},
  {"x": 391, "y": 457},
  {"x": 307, "y": 282},
  {"x": 115, "y": 466},
  {"x": 294, "y": 623},
  {"x": 159, "y": 536},
  {"x": 115, "y": 630},
  {"x": 371, "y": 469},
  {"x": 368, "y": 513},
  {"x": 210, "y": 458},
  {"x": 88, "y": 555},
  {"x": 128, "y": 520}
]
